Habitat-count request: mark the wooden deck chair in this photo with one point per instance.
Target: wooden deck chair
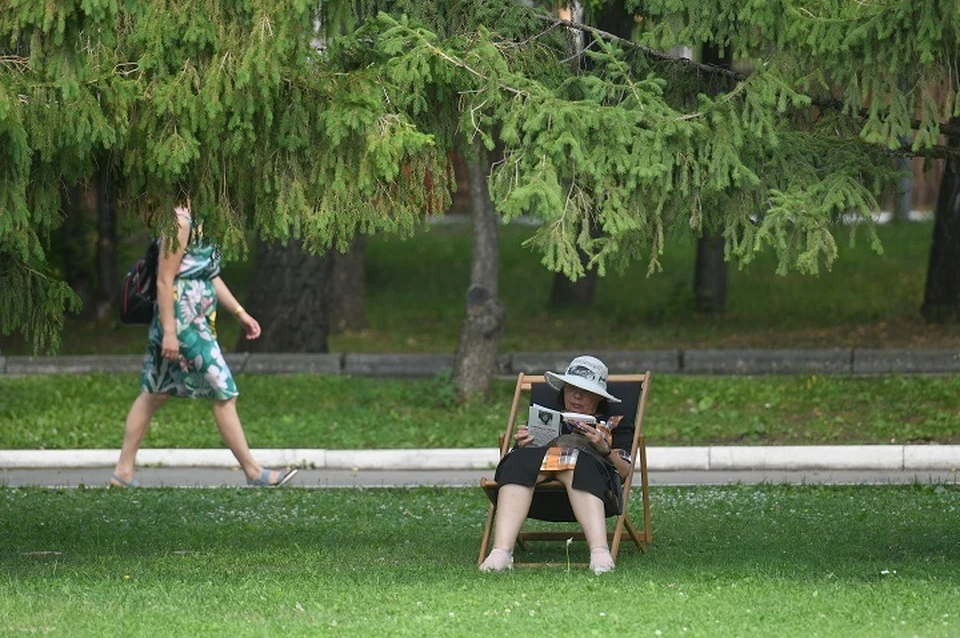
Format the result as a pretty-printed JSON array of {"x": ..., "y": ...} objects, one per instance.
[{"x": 550, "y": 502}]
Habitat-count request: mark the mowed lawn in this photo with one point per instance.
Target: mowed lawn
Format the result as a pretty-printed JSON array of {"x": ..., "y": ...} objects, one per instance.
[
  {"x": 767, "y": 560},
  {"x": 342, "y": 412}
]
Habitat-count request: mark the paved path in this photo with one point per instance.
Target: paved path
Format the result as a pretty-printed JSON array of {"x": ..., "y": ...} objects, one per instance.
[
  {"x": 897, "y": 458},
  {"x": 309, "y": 478}
]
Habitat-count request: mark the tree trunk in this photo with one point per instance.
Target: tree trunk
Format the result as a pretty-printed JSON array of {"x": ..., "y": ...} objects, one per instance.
[
  {"x": 573, "y": 294},
  {"x": 76, "y": 255},
  {"x": 710, "y": 270},
  {"x": 106, "y": 243},
  {"x": 480, "y": 330},
  {"x": 289, "y": 296},
  {"x": 710, "y": 274},
  {"x": 941, "y": 298},
  {"x": 348, "y": 275},
  {"x": 614, "y": 18}
]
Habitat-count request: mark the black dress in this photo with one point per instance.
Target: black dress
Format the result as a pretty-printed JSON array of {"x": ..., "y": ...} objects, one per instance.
[{"x": 592, "y": 473}]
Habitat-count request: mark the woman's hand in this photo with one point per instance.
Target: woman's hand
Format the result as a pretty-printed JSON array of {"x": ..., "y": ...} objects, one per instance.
[
  {"x": 523, "y": 437},
  {"x": 251, "y": 328},
  {"x": 170, "y": 347},
  {"x": 598, "y": 436}
]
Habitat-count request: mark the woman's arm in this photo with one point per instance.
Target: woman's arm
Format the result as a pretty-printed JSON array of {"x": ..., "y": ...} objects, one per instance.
[
  {"x": 171, "y": 254},
  {"x": 603, "y": 443},
  {"x": 225, "y": 298},
  {"x": 618, "y": 462}
]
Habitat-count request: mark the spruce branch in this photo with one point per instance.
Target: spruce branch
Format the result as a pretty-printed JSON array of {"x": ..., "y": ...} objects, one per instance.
[
  {"x": 647, "y": 51},
  {"x": 466, "y": 67},
  {"x": 831, "y": 103},
  {"x": 15, "y": 61}
]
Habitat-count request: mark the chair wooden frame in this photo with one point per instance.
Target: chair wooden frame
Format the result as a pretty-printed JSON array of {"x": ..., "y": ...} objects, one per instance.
[{"x": 642, "y": 538}]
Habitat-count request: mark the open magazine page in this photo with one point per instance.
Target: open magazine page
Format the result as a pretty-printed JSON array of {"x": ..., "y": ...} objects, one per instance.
[{"x": 544, "y": 423}]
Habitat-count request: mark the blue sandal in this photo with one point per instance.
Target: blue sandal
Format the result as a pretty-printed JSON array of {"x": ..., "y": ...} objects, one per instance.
[
  {"x": 121, "y": 483},
  {"x": 264, "y": 480}
]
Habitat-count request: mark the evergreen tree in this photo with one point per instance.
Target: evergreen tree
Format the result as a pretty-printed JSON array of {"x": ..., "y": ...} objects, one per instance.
[{"x": 230, "y": 102}]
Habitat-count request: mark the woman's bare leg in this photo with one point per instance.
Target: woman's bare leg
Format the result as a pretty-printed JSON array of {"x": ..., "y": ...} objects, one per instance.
[
  {"x": 135, "y": 428},
  {"x": 589, "y": 511},
  {"x": 228, "y": 422},
  {"x": 513, "y": 505}
]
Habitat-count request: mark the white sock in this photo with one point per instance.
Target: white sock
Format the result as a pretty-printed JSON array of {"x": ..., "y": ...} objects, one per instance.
[
  {"x": 497, "y": 560},
  {"x": 601, "y": 561}
]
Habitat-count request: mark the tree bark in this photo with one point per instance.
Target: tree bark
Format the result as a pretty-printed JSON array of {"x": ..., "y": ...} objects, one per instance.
[
  {"x": 76, "y": 256},
  {"x": 348, "y": 292},
  {"x": 710, "y": 270},
  {"x": 710, "y": 274},
  {"x": 941, "y": 298},
  {"x": 482, "y": 325},
  {"x": 107, "y": 276},
  {"x": 290, "y": 298}
]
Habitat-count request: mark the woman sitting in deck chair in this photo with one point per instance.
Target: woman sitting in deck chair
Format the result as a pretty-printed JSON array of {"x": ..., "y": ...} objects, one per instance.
[{"x": 591, "y": 461}]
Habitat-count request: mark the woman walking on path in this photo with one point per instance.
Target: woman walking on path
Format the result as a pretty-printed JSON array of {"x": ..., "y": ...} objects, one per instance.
[{"x": 183, "y": 357}]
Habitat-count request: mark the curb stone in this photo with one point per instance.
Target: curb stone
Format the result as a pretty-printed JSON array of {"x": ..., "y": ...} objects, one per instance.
[
  {"x": 860, "y": 361},
  {"x": 713, "y": 458}
]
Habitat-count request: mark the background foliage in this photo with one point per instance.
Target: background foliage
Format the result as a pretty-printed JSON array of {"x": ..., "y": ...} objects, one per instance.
[{"x": 285, "y": 119}]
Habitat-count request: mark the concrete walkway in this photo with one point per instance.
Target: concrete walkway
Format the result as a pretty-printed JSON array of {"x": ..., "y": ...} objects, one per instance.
[
  {"x": 891, "y": 458},
  {"x": 464, "y": 467}
]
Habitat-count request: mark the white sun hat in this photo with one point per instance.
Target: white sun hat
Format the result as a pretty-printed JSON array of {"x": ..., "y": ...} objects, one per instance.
[{"x": 585, "y": 372}]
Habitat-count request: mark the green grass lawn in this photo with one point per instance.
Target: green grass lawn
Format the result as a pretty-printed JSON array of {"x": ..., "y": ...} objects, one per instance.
[
  {"x": 415, "y": 301},
  {"x": 341, "y": 412},
  {"x": 764, "y": 561}
]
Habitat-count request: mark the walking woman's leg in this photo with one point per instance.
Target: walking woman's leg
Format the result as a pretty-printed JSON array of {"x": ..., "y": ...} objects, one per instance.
[
  {"x": 135, "y": 428},
  {"x": 228, "y": 422}
]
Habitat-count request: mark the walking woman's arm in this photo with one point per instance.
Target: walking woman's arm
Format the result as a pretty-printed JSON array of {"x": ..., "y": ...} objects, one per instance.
[
  {"x": 226, "y": 300},
  {"x": 171, "y": 254}
]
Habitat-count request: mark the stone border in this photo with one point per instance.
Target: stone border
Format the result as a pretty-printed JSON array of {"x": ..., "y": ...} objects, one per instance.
[
  {"x": 849, "y": 361},
  {"x": 713, "y": 458}
]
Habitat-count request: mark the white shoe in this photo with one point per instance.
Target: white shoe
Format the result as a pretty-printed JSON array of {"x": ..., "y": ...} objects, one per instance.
[
  {"x": 498, "y": 560},
  {"x": 601, "y": 561}
]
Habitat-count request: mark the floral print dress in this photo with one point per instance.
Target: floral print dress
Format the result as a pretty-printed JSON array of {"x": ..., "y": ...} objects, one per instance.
[{"x": 201, "y": 372}]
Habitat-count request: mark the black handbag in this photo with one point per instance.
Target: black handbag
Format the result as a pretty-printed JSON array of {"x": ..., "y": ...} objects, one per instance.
[{"x": 137, "y": 296}]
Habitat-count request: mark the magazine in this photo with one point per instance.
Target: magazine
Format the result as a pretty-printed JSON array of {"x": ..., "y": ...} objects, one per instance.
[{"x": 544, "y": 423}]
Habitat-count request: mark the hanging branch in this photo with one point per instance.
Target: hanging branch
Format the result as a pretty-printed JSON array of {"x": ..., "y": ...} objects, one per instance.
[
  {"x": 826, "y": 103},
  {"x": 647, "y": 51}
]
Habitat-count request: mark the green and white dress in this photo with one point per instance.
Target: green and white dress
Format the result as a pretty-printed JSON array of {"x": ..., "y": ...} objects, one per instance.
[{"x": 201, "y": 372}]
